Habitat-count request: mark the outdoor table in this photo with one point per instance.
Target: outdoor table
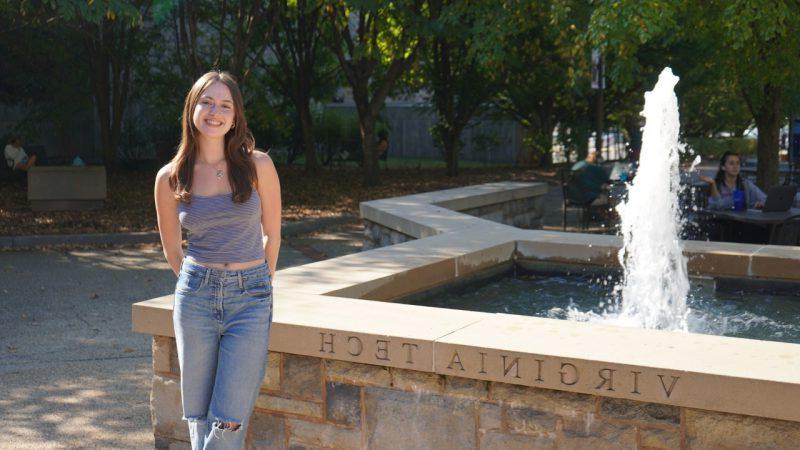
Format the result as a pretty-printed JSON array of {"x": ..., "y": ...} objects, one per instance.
[{"x": 768, "y": 220}]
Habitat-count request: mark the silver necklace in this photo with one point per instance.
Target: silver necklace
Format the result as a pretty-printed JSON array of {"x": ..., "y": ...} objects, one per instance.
[{"x": 219, "y": 171}]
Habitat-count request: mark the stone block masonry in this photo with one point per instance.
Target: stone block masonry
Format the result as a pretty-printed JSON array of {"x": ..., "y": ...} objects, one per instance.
[
  {"x": 308, "y": 402},
  {"x": 526, "y": 213}
]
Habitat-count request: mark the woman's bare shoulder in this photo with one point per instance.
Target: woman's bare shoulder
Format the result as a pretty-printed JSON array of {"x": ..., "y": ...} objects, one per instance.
[
  {"x": 261, "y": 155},
  {"x": 262, "y": 159},
  {"x": 164, "y": 173}
]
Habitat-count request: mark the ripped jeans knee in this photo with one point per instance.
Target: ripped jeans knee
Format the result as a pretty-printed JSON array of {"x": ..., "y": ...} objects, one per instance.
[
  {"x": 231, "y": 426},
  {"x": 220, "y": 428}
]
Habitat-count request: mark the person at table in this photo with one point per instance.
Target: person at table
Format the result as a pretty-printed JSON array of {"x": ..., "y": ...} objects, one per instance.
[
  {"x": 589, "y": 181},
  {"x": 728, "y": 180},
  {"x": 16, "y": 157}
]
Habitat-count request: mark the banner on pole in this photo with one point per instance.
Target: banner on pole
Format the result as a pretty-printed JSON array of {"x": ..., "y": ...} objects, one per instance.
[{"x": 598, "y": 72}]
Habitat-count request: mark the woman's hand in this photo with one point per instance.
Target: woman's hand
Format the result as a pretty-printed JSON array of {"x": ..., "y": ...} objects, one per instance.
[
  {"x": 712, "y": 185},
  {"x": 758, "y": 205}
]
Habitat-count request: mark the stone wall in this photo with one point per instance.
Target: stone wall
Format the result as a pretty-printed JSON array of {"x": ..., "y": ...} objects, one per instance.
[
  {"x": 523, "y": 213},
  {"x": 313, "y": 403},
  {"x": 377, "y": 235}
]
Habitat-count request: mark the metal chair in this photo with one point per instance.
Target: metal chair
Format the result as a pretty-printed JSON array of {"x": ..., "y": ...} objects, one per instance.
[
  {"x": 786, "y": 232},
  {"x": 584, "y": 208}
]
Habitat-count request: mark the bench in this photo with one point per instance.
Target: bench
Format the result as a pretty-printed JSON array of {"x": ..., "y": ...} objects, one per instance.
[{"x": 60, "y": 188}]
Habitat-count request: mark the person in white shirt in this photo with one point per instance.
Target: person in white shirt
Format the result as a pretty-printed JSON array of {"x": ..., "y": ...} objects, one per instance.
[{"x": 16, "y": 158}]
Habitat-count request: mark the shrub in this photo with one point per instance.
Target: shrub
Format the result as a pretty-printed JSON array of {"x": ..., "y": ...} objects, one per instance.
[{"x": 711, "y": 149}]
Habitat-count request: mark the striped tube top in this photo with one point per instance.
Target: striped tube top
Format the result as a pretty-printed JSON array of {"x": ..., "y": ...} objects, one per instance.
[{"x": 221, "y": 231}]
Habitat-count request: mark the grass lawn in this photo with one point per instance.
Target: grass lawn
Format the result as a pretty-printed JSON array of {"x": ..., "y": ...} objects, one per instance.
[{"x": 337, "y": 190}]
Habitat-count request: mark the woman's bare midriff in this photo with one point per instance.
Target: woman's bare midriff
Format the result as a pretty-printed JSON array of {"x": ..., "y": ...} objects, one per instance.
[{"x": 229, "y": 266}]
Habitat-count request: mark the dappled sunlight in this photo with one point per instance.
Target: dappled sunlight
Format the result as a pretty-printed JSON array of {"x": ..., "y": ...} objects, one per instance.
[
  {"x": 124, "y": 259},
  {"x": 67, "y": 411}
]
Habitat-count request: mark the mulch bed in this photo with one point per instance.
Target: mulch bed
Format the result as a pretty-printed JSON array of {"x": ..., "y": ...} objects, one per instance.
[{"x": 129, "y": 206}]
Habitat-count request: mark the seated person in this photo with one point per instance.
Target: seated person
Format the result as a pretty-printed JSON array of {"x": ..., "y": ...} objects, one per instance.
[
  {"x": 727, "y": 180},
  {"x": 589, "y": 180},
  {"x": 16, "y": 157},
  {"x": 383, "y": 145}
]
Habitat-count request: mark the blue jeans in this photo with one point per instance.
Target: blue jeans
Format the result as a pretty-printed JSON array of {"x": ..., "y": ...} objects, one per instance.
[{"x": 222, "y": 320}]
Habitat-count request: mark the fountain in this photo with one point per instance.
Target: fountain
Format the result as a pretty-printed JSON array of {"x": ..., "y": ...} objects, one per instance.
[
  {"x": 655, "y": 284},
  {"x": 652, "y": 293}
]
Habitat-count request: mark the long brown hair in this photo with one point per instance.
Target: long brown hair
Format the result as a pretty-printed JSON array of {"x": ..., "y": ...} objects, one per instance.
[
  {"x": 239, "y": 143},
  {"x": 720, "y": 178}
]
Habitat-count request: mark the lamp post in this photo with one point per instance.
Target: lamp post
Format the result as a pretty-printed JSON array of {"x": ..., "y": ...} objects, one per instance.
[{"x": 598, "y": 85}]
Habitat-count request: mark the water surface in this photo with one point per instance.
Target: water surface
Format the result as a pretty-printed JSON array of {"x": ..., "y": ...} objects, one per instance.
[{"x": 755, "y": 315}]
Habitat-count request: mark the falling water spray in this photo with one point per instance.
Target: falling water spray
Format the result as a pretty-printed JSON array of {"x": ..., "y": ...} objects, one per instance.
[{"x": 653, "y": 291}]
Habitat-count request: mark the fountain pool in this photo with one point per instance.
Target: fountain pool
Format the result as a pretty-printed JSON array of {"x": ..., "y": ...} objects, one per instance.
[{"x": 725, "y": 307}]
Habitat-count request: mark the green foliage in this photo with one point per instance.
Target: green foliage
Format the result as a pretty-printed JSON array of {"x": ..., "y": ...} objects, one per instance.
[
  {"x": 337, "y": 132},
  {"x": 711, "y": 149},
  {"x": 95, "y": 12},
  {"x": 620, "y": 27},
  {"x": 26, "y": 78},
  {"x": 735, "y": 48},
  {"x": 742, "y": 45},
  {"x": 451, "y": 70},
  {"x": 540, "y": 56}
]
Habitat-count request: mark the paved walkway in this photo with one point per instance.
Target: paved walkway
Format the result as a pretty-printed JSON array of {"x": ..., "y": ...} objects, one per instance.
[{"x": 72, "y": 374}]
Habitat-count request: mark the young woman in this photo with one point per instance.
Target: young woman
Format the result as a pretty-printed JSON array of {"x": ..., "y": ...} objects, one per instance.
[
  {"x": 227, "y": 195},
  {"x": 728, "y": 180}
]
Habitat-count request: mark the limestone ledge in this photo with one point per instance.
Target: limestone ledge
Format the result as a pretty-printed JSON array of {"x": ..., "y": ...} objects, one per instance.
[{"x": 732, "y": 375}]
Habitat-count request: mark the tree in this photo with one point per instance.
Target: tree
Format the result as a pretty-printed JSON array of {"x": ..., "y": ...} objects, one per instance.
[
  {"x": 753, "y": 45},
  {"x": 375, "y": 42},
  {"x": 458, "y": 80},
  {"x": 109, "y": 34},
  {"x": 111, "y": 45},
  {"x": 231, "y": 36},
  {"x": 28, "y": 44},
  {"x": 302, "y": 67},
  {"x": 541, "y": 59}
]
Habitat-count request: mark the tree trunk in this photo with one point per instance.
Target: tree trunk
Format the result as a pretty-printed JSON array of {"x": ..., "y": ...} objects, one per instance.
[
  {"x": 768, "y": 120},
  {"x": 452, "y": 147},
  {"x": 371, "y": 177},
  {"x": 537, "y": 145},
  {"x": 768, "y": 140},
  {"x": 543, "y": 137},
  {"x": 544, "y": 146},
  {"x": 582, "y": 133},
  {"x": 101, "y": 86},
  {"x": 599, "y": 121},
  {"x": 309, "y": 148},
  {"x": 634, "y": 132},
  {"x": 110, "y": 82},
  {"x": 525, "y": 154}
]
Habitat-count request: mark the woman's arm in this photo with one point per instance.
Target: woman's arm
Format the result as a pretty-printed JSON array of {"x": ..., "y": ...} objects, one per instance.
[
  {"x": 168, "y": 225},
  {"x": 720, "y": 201},
  {"x": 269, "y": 189},
  {"x": 757, "y": 196},
  {"x": 713, "y": 192}
]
